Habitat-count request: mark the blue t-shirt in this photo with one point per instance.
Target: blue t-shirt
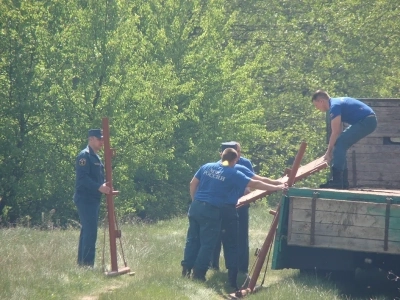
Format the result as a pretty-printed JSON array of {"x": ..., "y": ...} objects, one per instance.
[
  {"x": 216, "y": 182},
  {"x": 245, "y": 162},
  {"x": 238, "y": 192},
  {"x": 351, "y": 110}
]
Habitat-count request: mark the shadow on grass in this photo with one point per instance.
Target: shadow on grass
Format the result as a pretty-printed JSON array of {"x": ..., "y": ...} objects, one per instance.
[{"x": 364, "y": 284}]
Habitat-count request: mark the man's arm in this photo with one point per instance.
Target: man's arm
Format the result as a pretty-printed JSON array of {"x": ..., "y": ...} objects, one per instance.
[
  {"x": 256, "y": 184},
  {"x": 266, "y": 180},
  {"x": 193, "y": 187},
  {"x": 336, "y": 126}
]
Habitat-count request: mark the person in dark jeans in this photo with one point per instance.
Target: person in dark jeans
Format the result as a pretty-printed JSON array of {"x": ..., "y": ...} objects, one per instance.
[
  {"x": 210, "y": 189},
  {"x": 230, "y": 237},
  {"x": 362, "y": 122}
]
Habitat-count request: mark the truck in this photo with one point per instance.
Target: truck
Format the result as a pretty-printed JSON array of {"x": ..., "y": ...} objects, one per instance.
[{"x": 338, "y": 231}]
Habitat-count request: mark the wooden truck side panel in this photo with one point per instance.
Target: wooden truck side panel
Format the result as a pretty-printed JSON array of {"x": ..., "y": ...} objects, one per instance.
[
  {"x": 335, "y": 230},
  {"x": 374, "y": 161},
  {"x": 341, "y": 224}
]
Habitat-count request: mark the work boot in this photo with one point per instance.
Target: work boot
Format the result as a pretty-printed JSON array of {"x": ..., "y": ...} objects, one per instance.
[
  {"x": 336, "y": 182},
  {"x": 186, "y": 272},
  {"x": 346, "y": 183},
  {"x": 232, "y": 278},
  {"x": 199, "y": 274}
]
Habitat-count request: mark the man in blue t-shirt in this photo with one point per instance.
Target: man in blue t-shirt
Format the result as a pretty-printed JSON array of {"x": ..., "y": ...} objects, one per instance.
[
  {"x": 209, "y": 190},
  {"x": 235, "y": 223},
  {"x": 362, "y": 121}
]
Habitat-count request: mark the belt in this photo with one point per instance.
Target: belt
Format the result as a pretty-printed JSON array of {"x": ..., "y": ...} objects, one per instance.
[
  {"x": 208, "y": 203},
  {"x": 228, "y": 205}
]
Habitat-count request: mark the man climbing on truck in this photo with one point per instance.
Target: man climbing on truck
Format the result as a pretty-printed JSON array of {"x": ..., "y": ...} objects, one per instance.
[{"x": 362, "y": 122}]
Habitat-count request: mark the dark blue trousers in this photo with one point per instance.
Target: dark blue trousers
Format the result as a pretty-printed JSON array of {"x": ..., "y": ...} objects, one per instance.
[
  {"x": 88, "y": 215},
  {"x": 349, "y": 137},
  {"x": 229, "y": 236},
  {"x": 243, "y": 238},
  {"x": 202, "y": 235},
  {"x": 236, "y": 248}
]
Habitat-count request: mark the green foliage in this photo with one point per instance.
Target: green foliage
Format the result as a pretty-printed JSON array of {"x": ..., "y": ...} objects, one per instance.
[{"x": 175, "y": 78}]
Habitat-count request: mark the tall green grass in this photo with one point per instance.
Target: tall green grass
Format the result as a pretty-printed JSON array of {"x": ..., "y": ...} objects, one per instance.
[{"x": 39, "y": 264}]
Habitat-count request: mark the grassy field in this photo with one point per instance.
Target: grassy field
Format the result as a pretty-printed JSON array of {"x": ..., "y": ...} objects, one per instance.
[{"x": 38, "y": 264}]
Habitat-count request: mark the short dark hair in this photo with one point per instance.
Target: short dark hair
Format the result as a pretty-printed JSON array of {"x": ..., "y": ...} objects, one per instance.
[
  {"x": 229, "y": 154},
  {"x": 320, "y": 94}
]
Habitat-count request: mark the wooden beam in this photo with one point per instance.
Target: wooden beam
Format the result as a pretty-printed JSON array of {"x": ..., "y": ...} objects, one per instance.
[
  {"x": 303, "y": 172},
  {"x": 344, "y": 243}
]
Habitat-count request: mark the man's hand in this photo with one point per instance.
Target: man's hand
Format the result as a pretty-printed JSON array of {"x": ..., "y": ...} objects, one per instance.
[
  {"x": 328, "y": 156},
  {"x": 104, "y": 189},
  {"x": 282, "y": 187},
  {"x": 283, "y": 180},
  {"x": 246, "y": 191}
]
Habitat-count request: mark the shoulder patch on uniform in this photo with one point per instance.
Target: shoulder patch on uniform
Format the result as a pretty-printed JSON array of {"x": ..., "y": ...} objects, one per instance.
[{"x": 82, "y": 161}]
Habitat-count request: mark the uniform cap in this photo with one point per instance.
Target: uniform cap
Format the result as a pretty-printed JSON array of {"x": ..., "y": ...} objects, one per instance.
[
  {"x": 228, "y": 145},
  {"x": 96, "y": 133}
]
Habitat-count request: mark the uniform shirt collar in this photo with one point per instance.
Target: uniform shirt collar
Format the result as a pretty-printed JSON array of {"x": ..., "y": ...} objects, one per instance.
[{"x": 90, "y": 150}]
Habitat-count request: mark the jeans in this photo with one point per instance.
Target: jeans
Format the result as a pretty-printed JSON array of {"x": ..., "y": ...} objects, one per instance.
[
  {"x": 349, "y": 137},
  {"x": 202, "y": 235},
  {"x": 243, "y": 239},
  {"x": 228, "y": 236}
]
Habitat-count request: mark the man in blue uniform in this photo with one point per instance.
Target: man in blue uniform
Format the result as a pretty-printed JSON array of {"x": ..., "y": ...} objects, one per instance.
[
  {"x": 89, "y": 186},
  {"x": 362, "y": 121},
  {"x": 209, "y": 189},
  {"x": 234, "y": 225}
]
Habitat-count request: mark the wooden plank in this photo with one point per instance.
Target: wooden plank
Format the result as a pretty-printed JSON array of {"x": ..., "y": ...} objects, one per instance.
[
  {"x": 377, "y": 175},
  {"x": 367, "y": 194},
  {"x": 371, "y": 233},
  {"x": 368, "y": 140},
  {"x": 384, "y": 114},
  {"x": 376, "y": 157},
  {"x": 363, "y": 148},
  {"x": 303, "y": 172},
  {"x": 375, "y": 168},
  {"x": 386, "y": 129},
  {"x": 290, "y": 221},
  {"x": 343, "y": 206},
  {"x": 349, "y": 219},
  {"x": 384, "y": 192},
  {"x": 394, "y": 103},
  {"x": 353, "y": 244},
  {"x": 393, "y": 184}
]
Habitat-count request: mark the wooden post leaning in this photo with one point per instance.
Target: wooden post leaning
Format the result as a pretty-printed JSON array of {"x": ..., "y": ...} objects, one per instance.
[
  {"x": 271, "y": 233},
  {"x": 270, "y": 236},
  {"x": 112, "y": 225},
  {"x": 295, "y": 174}
]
